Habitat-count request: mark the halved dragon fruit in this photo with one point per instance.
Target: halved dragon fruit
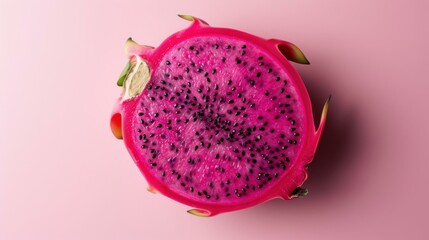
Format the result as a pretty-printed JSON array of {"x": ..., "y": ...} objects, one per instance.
[{"x": 216, "y": 118}]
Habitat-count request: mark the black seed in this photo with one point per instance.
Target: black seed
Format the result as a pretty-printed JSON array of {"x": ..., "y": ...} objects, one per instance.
[
  {"x": 159, "y": 125},
  {"x": 191, "y": 189},
  {"x": 168, "y": 62},
  {"x": 178, "y": 176},
  {"x": 229, "y": 82},
  {"x": 252, "y": 82},
  {"x": 243, "y": 47},
  {"x": 270, "y": 70},
  {"x": 208, "y": 80},
  {"x": 191, "y": 48},
  {"x": 216, "y": 46},
  {"x": 228, "y": 46},
  {"x": 197, "y": 52},
  {"x": 223, "y": 59},
  {"x": 258, "y": 74},
  {"x": 260, "y": 58},
  {"x": 213, "y": 71},
  {"x": 238, "y": 61},
  {"x": 238, "y": 175},
  {"x": 231, "y": 101},
  {"x": 217, "y": 155},
  {"x": 261, "y": 63}
]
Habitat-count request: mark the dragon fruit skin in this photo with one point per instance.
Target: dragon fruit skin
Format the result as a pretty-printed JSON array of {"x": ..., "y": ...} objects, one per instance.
[{"x": 149, "y": 59}]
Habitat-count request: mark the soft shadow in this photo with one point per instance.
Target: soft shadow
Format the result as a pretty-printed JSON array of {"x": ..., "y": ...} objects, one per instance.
[{"x": 339, "y": 141}]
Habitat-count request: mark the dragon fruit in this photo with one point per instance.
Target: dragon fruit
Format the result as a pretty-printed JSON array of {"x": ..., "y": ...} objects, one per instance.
[{"x": 216, "y": 118}]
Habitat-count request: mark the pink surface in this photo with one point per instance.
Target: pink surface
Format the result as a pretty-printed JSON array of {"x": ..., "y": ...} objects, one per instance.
[{"x": 64, "y": 176}]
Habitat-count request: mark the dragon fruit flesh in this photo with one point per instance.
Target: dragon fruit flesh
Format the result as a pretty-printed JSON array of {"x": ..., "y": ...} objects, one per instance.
[{"x": 216, "y": 118}]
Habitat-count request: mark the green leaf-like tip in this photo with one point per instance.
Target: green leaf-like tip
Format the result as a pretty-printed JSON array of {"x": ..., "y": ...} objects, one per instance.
[
  {"x": 292, "y": 52},
  {"x": 199, "y": 212},
  {"x": 326, "y": 108},
  {"x": 129, "y": 45},
  {"x": 186, "y": 17},
  {"x": 199, "y": 21},
  {"x": 124, "y": 74},
  {"x": 130, "y": 42}
]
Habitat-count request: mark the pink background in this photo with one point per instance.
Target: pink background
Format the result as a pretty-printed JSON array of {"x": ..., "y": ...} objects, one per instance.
[{"x": 64, "y": 176}]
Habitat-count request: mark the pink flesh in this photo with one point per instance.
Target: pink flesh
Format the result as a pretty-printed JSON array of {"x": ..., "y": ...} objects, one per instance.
[{"x": 203, "y": 176}]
